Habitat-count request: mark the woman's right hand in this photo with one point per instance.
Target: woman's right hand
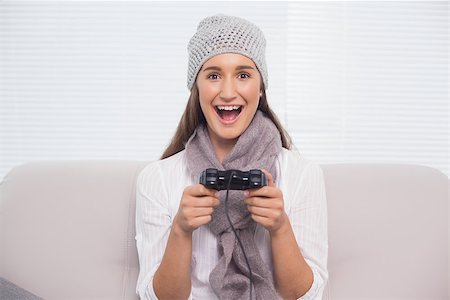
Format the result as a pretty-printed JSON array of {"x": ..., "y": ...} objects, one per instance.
[{"x": 196, "y": 207}]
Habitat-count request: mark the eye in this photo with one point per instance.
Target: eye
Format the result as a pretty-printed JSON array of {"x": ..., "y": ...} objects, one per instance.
[
  {"x": 245, "y": 75},
  {"x": 212, "y": 74}
]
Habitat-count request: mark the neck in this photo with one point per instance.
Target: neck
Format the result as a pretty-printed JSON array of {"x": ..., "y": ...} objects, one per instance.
[{"x": 221, "y": 146}]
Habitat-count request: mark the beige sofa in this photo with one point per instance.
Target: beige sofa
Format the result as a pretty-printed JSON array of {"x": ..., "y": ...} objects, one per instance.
[{"x": 67, "y": 230}]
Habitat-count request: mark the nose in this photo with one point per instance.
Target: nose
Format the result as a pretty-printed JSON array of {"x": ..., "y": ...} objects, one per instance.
[{"x": 228, "y": 90}]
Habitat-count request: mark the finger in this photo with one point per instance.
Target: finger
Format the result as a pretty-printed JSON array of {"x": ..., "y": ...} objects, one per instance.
[
  {"x": 264, "y": 202},
  {"x": 199, "y": 221},
  {"x": 269, "y": 177},
  {"x": 261, "y": 211},
  {"x": 265, "y": 191},
  {"x": 196, "y": 212},
  {"x": 205, "y": 201},
  {"x": 198, "y": 190},
  {"x": 264, "y": 221}
]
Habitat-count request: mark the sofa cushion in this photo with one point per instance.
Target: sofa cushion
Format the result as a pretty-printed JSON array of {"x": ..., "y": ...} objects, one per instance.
[{"x": 9, "y": 290}]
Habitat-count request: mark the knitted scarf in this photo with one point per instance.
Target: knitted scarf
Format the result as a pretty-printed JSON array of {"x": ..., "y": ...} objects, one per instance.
[{"x": 257, "y": 148}]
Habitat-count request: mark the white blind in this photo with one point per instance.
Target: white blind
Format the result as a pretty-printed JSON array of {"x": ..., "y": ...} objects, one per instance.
[
  {"x": 352, "y": 81},
  {"x": 368, "y": 81}
]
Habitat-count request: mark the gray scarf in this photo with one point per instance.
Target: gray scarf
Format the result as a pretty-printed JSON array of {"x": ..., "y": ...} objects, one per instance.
[{"x": 257, "y": 148}]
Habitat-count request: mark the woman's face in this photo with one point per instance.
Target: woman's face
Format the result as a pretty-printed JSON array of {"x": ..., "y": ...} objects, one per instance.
[{"x": 229, "y": 91}]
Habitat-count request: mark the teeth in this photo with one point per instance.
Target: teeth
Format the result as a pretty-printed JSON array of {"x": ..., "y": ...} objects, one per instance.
[{"x": 228, "y": 107}]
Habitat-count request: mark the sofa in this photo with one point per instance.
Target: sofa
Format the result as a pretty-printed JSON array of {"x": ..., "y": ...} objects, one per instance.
[{"x": 67, "y": 231}]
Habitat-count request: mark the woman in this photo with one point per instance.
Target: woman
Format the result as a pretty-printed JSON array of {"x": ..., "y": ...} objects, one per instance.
[{"x": 187, "y": 247}]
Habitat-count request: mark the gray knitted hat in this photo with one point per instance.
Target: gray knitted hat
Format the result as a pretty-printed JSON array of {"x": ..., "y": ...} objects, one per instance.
[{"x": 224, "y": 34}]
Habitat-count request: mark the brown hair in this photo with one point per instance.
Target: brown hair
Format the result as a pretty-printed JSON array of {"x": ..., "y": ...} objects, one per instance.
[{"x": 193, "y": 116}]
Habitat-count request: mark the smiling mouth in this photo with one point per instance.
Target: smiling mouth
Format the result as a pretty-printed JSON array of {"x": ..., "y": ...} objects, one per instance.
[{"x": 228, "y": 113}]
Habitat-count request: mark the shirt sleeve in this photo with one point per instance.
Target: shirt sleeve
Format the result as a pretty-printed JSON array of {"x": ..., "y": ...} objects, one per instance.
[
  {"x": 308, "y": 216},
  {"x": 153, "y": 223}
]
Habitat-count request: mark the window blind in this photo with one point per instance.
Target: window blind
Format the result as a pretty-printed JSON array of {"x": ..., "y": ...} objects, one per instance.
[
  {"x": 368, "y": 81},
  {"x": 351, "y": 81}
]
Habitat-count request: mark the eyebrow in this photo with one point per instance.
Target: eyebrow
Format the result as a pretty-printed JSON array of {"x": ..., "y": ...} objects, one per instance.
[{"x": 241, "y": 67}]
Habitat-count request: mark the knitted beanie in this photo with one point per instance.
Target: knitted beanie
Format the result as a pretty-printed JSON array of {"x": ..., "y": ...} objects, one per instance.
[{"x": 226, "y": 34}]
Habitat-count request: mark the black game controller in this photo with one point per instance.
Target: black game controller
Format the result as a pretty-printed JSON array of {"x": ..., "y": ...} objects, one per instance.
[{"x": 240, "y": 180}]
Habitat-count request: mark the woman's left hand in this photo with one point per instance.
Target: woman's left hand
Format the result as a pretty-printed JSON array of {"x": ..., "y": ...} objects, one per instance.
[{"x": 266, "y": 205}]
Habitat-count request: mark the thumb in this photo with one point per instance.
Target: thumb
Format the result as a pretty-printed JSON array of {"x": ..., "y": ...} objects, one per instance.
[{"x": 269, "y": 177}]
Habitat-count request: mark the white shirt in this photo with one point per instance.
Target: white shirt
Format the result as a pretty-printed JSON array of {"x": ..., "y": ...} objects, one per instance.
[{"x": 158, "y": 193}]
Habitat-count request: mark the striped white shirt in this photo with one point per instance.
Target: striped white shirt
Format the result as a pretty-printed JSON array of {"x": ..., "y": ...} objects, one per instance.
[{"x": 158, "y": 194}]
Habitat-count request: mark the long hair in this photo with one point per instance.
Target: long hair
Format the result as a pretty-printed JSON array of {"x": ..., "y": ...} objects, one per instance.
[{"x": 193, "y": 116}]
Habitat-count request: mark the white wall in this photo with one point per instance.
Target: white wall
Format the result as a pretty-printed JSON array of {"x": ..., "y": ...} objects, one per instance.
[{"x": 352, "y": 81}]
